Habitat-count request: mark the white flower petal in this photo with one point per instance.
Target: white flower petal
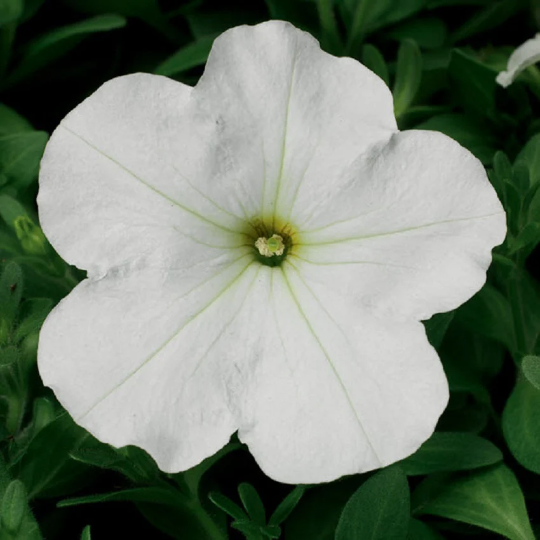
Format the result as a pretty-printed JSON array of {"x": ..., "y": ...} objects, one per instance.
[
  {"x": 524, "y": 56},
  {"x": 335, "y": 390},
  {"x": 156, "y": 359},
  {"x": 408, "y": 231},
  {"x": 288, "y": 112},
  {"x": 110, "y": 193}
]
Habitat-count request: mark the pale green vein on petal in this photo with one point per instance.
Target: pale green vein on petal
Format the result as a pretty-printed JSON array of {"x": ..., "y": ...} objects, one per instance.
[
  {"x": 206, "y": 244},
  {"x": 331, "y": 364},
  {"x": 399, "y": 231},
  {"x": 149, "y": 186},
  {"x": 174, "y": 336},
  {"x": 278, "y": 328},
  {"x": 211, "y": 201},
  {"x": 339, "y": 263},
  {"x": 339, "y": 222},
  {"x": 284, "y": 142},
  {"x": 301, "y": 181},
  {"x": 225, "y": 327},
  {"x": 316, "y": 298}
]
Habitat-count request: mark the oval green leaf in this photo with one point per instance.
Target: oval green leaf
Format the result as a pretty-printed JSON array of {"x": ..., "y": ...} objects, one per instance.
[
  {"x": 379, "y": 510},
  {"x": 408, "y": 76},
  {"x": 451, "y": 452},
  {"x": 531, "y": 369},
  {"x": 192, "y": 55},
  {"x": 521, "y": 424},
  {"x": 490, "y": 498}
]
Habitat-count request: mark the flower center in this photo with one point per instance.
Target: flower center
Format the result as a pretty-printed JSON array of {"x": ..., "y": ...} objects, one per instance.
[
  {"x": 272, "y": 239},
  {"x": 270, "y": 247}
]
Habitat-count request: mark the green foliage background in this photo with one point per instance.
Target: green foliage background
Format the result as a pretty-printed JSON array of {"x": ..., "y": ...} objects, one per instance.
[{"x": 476, "y": 477}]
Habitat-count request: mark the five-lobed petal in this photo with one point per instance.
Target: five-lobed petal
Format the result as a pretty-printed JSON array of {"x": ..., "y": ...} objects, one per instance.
[{"x": 180, "y": 336}]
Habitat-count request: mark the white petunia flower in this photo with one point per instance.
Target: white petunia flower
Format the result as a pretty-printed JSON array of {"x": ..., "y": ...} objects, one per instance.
[
  {"x": 524, "y": 56},
  {"x": 260, "y": 250}
]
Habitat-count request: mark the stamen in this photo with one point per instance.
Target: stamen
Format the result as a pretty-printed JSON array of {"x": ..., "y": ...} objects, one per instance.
[{"x": 270, "y": 247}]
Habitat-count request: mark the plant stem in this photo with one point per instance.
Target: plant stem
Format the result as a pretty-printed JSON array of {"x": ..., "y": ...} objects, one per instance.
[{"x": 214, "y": 532}]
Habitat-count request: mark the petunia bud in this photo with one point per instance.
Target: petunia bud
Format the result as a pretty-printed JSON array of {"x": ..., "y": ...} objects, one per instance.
[{"x": 30, "y": 235}]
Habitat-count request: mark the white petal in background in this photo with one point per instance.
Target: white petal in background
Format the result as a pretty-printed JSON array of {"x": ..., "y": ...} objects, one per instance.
[{"x": 524, "y": 56}]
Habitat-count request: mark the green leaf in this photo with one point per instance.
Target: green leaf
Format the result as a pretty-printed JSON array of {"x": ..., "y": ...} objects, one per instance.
[
  {"x": 192, "y": 55},
  {"x": 43, "y": 414},
  {"x": 152, "y": 495},
  {"x": 408, "y": 76},
  {"x": 489, "y": 313},
  {"x": 360, "y": 19},
  {"x": 524, "y": 294},
  {"x": 10, "y": 10},
  {"x": 228, "y": 506},
  {"x": 12, "y": 122},
  {"x": 86, "y": 533},
  {"x": 28, "y": 529},
  {"x": 8, "y": 356},
  {"x": 490, "y": 498},
  {"x": 11, "y": 287},
  {"x": 398, "y": 11},
  {"x": 503, "y": 167},
  {"x": 14, "y": 505},
  {"x": 131, "y": 461},
  {"x": 521, "y": 423},
  {"x": 373, "y": 59},
  {"x": 434, "y": 4},
  {"x": 378, "y": 510},
  {"x": 467, "y": 131},
  {"x": 445, "y": 451},
  {"x": 95, "y": 453},
  {"x": 331, "y": 38},
  {"x": 250, "y": 530},
  {"x": 530, "y": 154},
  {"x": 472, "y": 83},
  {"x": 147, "y": 11},
  {"x": 37, "y": 309},
  {"x": 532, "y": 201},
  {"x": 301, "y": 14},
  {"x": 492, "y": 16},
  {"x": 286, "y": 506},
  {"x": 31, "y": 7},
  {"x": 272, "y": 531},
  {"x": 20, "y": 154},
  {"x": 530, "y": 366},
  {"x": 428, "y": 32},
  {"x": 420, "y": 531},
  {"x": 383, "y": 13},
  {"x": 60, "y": 41},
  {"x": 437, "y": 326},
  {"x": 521, "y": 176},
  {"x": 252, "y": 503},
  {"x": 190, "y": 521},
  {"x": 46, "y": 467},
  {"x": 10, "y": 210},
  {"x": 193, "y": 477},
  {"x": 215, "y": 21},
  {"x": 527, "y": 239},
  {"x": 317, "y": 515}
]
